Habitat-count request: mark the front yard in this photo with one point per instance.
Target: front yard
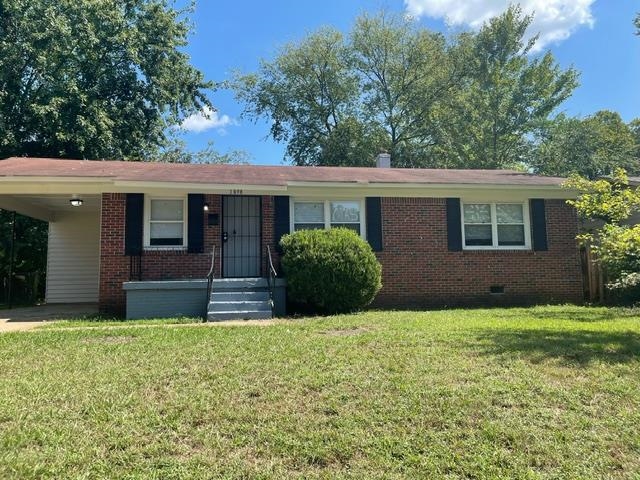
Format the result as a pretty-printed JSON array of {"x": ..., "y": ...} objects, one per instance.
[{"x": 549, "y": 392}]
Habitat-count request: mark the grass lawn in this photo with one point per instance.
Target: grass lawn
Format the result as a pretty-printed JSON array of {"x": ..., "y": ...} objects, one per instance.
[{"x": 549, "y": 392}]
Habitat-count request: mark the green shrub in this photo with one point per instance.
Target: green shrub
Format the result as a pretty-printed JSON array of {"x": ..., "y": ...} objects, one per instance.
[
  {"x": 330, "y": 271},
  {"x": 616, "y": 242},
  {"x": 618, "y": 251}
]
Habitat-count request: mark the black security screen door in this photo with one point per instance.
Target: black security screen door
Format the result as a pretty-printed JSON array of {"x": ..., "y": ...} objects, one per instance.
[{"x": 241, "y": 234}]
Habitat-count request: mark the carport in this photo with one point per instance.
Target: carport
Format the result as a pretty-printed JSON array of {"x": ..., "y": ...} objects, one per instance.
[{"x": 73, "y": 247}]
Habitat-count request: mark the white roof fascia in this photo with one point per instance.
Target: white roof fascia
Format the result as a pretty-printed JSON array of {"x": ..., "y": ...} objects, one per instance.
[
  {"x": 97, "y": 185},
  {"x": 38, "y": 185},
  {"x": 421, "y": 185},
  {"x": 493, "y": 192},
  {"x": 128, "y": 186}
]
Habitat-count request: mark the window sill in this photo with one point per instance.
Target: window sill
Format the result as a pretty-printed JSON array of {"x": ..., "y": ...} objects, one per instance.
[
  {"x": 501, "y": 247},
  {"x": 151, "y": 249},
  {"x": 497, "y": 249}
]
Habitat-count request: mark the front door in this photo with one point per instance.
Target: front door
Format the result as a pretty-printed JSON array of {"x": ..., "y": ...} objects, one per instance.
[{"x": 241, "y": 236}]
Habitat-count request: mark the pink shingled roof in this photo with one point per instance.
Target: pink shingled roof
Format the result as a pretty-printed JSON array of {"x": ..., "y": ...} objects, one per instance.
[{"x": 260, "y": 175}]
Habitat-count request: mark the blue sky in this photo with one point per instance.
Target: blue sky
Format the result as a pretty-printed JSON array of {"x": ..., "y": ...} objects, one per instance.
[{"x": 596, "y": 37}]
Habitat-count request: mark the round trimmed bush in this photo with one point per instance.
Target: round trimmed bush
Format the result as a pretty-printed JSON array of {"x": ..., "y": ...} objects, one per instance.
[{"x": 330, "y": 271}]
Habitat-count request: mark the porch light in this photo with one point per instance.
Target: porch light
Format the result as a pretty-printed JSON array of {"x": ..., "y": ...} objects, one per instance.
[
  {"x": 76, "y": 202},
  {"x": 206, "y": 207}
]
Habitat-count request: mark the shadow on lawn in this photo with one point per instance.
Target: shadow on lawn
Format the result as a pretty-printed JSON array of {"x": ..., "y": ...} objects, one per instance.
[
  {"x": 572, "y": 313},
  {"x": 572, "y": 347}
]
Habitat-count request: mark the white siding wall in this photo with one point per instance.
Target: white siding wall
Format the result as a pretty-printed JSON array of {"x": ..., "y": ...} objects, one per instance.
[{"x": 73, "y": 258}]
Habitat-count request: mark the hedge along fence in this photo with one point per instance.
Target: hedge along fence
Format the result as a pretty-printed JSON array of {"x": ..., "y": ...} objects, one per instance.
[{"x": 330, "y": 271}]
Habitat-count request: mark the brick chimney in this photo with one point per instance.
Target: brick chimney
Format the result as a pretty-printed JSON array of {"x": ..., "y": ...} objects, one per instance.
[{"x": 383, "y": 160}]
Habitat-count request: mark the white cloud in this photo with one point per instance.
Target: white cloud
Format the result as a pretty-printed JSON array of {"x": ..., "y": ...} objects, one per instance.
[
  {"x": 206, "y": 120},
  {"x": 554, "y": 20}
]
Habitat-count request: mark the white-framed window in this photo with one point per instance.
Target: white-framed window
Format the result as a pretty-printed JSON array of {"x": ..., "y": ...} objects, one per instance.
[
  {"x": 321, "y": 214},
  {"x": 165, "y": 223},
  {"x": 495, "y": 225}
]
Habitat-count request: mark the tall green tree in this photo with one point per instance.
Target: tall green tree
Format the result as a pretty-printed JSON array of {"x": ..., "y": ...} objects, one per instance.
[
  {"x": 29, "y": 265},
  {"x": 339, "y": 101},
  {"x": 177, "y": 151},
  {"x": 93, "y": 78},
  {"x": 469, "y": 101},
  {"x": 88, "y": 79},
  {"x": 591, "y": 147},
  {"x": 405, "y": 74},
  {"x": 509, "y": 92},
  {"x": 307, "y": 92},
  {"x": 634, "y": 125}
]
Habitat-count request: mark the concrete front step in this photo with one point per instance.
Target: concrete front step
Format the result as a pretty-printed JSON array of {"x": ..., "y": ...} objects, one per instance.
[
  {"x": 236, "y": 284},
  {"x": 239, "y": 315},
  {"x": 239, "y": 299},
  {"x": 238, "y": 306},
  {"x": 243, "y": 296}
]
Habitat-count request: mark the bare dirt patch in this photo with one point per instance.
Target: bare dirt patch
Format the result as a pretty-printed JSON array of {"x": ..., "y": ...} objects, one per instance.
[
  {"x": 345, "y": 332},
  {"x": 11, "y": 326}
]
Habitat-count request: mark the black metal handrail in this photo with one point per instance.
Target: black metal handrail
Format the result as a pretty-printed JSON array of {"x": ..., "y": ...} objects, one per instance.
[
  {"x": 271, "y": 277},
  {"x": 135, "y": 267},
  {"x": 210, "y": 276}
]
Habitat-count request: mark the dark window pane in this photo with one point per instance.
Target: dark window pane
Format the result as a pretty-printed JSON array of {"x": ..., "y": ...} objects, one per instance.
[
  {"x": 511, "y": 235},
  {"x": 477, "y": 235},
  {"x": 165, "y": 241}
]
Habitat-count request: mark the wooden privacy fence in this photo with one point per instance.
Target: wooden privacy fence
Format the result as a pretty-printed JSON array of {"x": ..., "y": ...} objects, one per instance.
[{"x": 593, "y": 277}]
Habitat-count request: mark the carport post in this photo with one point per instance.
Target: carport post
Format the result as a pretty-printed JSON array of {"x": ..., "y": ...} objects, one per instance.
[{"x": 11, "y": 254}]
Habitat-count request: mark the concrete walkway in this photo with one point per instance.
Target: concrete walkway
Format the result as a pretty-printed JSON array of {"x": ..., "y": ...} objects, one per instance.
[{"x": 27, "y": 318}]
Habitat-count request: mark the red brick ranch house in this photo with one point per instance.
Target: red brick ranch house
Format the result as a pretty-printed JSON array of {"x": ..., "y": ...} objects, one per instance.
[{"x": 139, "y": 237}]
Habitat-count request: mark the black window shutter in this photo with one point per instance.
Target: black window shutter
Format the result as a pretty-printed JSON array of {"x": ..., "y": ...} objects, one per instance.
[
  {"x": 538, "y": 225},
  {"x": 134, "y": 215},
  {"x": 195, "y": 223},
  {"x": 374, "y": 222},
  {"x": 281, "y": 220},
  {"x": 454, "y": 225}
]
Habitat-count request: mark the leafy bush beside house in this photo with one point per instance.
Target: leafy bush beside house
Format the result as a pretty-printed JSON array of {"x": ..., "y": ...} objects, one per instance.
[
  {"x": 330, "y": 271},
  {"x": 619, "y": 251},
  {"x": 608, "y": 205}
]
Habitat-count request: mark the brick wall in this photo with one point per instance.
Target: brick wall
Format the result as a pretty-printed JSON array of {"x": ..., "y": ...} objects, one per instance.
[
  {"x": 179, "y": 264},
  {"x": 418, "y": 269},
  {"x": 267, "y": 235},
  {"x": 114, "y": 266},
  {"x": 160, "y": 264}
]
